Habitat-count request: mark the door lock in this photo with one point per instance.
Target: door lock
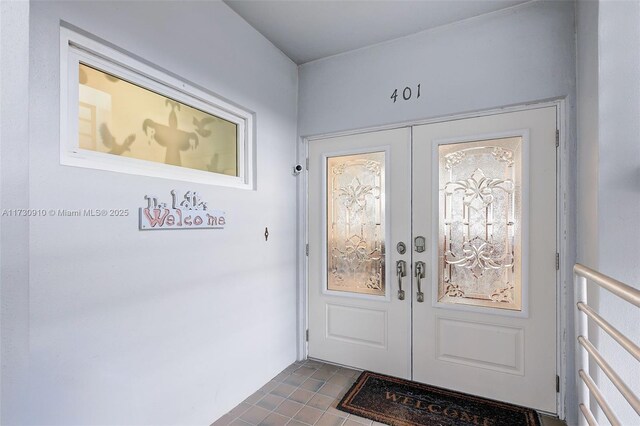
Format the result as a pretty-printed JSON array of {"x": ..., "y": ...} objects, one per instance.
[
  {"x": 401, "y": 247},
  {"x": 420, "y": 244}
]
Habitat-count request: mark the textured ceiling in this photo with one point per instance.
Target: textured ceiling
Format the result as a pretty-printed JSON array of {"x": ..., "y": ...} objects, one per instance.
[{"x": 306, "y": 30}]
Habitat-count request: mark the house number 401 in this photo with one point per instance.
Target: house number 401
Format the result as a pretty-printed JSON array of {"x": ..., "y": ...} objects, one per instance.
[{"x": 405, "y": 94}]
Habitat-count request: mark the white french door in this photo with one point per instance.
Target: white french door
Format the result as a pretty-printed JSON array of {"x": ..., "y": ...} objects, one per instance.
[
  {"x": 484, "y": 195},
  {"x": 473, "y": 202},
  {"x": 359, "y": 203}
]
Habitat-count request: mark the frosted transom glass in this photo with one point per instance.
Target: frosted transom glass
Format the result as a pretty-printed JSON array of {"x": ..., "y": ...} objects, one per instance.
[
  {"x": 479, "y": 254},
  {"x": 120, "y": 118},
  {"x": 355, "y": 223}
]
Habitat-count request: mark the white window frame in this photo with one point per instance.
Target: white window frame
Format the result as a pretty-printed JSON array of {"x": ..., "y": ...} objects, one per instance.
[{"x": 76, "y": 48}]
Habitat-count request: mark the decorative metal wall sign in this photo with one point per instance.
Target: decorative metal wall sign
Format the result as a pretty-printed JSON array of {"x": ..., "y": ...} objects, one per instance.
[
  {"x": 188, "y": 212},
  {"x": 480, "y": 223}
]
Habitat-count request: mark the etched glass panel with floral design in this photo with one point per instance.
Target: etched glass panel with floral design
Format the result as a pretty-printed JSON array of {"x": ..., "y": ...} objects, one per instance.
[
  {"x": 355, "y": 223},
  {"x": 480, "y": 220}
]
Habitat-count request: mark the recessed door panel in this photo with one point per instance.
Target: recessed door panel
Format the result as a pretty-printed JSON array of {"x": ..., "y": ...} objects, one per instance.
[
  {"x": 358, "y": 326},
  {"x": 490, "y": 346}
]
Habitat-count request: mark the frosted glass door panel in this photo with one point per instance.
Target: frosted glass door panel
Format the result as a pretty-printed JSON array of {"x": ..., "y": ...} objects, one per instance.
[
  {"x": 479, "y": 252},
  {"x": 356, "y": 223}
]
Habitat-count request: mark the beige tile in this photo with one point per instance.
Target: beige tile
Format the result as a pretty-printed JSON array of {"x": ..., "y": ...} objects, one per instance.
[
  {"x": 223, "y": 421},
  {"x": 301, "y": 395},
  {"x": 308, "y": 415},
  {"x": 239, "y": 409},
  {"x": 274, "y": 419},
  {"x": 350, "y": 422},
  {"x": 270, "y": 402},
  {"x": 349, "y": 372},
  {"x": 305, "y": 371},
  {"x": 322, "y": 375},
  {"x": 340, "y": 380},
  {"x": 289, "y": 408},
  {"x": 295, "y": 379},
  {"x": 254, "y": 415},
  {"x": 271, "y": 385},
  {"x": 359, "y": 419},
  {"x": 283, "y": 390},
  {"x": 280, "y": 377},
  {"x": 330, "y": 368},
  {"x": 312, "y": 384},
  {"x": 330, "y": 420},
  {"x": 321, "y": 402},
  {"x": 335, "y": 402},
  {"x": 254, "y": 398},
  {"x": 238, "y": 422},
  {"x": 378, "y": 424},
  {"x": 333, "y": 410},
  {"x": 313, "y": 364},
  {"x": 331, "y": 390},
  {"x": 296, "y": 423}
]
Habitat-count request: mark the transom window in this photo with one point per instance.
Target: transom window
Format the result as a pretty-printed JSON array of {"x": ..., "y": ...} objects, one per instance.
[{"x": 122, "y": 115}]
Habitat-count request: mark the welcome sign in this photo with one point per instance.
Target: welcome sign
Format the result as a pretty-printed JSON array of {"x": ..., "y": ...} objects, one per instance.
[{"x": 188, "y": 212}]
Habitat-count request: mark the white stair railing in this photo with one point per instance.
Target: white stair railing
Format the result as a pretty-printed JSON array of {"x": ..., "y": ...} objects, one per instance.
[{"x": 587, "y": 352}]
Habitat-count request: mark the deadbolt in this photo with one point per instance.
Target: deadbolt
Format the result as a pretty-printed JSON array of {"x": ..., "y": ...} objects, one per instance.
[
  {"x": 420, "y": 244},
  {"x": 402, "y": 248}
]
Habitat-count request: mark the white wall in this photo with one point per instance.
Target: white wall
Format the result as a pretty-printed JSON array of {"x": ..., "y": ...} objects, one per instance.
[
  {"x": 14, "y": 178},
  {"x": 167, "y": 327},
  {"x": 609, "y": 170},
  {"x": 509, "y": 57},
  {"x": 512, "y": 57},
  {"x": 587, "y": 130}
]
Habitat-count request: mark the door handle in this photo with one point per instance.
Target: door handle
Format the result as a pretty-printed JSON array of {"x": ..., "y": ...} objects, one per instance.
[
  {"x": 420, "y": 267},
  {"x": 401, "y": 271}
]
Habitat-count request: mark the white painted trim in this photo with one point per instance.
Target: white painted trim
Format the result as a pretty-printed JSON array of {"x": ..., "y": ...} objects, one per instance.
[
  {"x": 303, "y": 263},
  {"x": 435, "y": 167},
  {"x": 387, "y": 228},
  {"x": 76, "y": 48},
  {"x": 563, "y": 206},
  {"x": 565, "y": 272},
  {"x": 438, "y": 119}
]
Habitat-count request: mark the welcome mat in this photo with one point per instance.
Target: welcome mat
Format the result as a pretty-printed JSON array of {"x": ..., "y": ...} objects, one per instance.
[{"x": 400, "y": 402}]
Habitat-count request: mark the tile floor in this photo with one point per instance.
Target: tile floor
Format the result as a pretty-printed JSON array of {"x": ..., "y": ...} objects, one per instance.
[{"x": 305, "y": 394}]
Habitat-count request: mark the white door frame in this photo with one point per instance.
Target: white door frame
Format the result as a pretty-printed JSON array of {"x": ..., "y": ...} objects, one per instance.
[{"x": 563, "y": 274}]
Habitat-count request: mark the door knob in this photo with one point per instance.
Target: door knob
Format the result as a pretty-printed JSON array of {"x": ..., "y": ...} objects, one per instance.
[
  {"x": 401, "y": 271},
  {"x": 420, "y": 268}
]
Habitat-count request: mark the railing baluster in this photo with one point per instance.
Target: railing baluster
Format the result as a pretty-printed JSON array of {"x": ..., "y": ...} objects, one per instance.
[
  {"x": 591, "y": 421},
  {"x": 585, "y": 350},
  {"x": 597, "y": 394},
  {"x": 617, "y": 381},
  {"x": 623, "y": 340},
  {"x": 582, "y": 357}
]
